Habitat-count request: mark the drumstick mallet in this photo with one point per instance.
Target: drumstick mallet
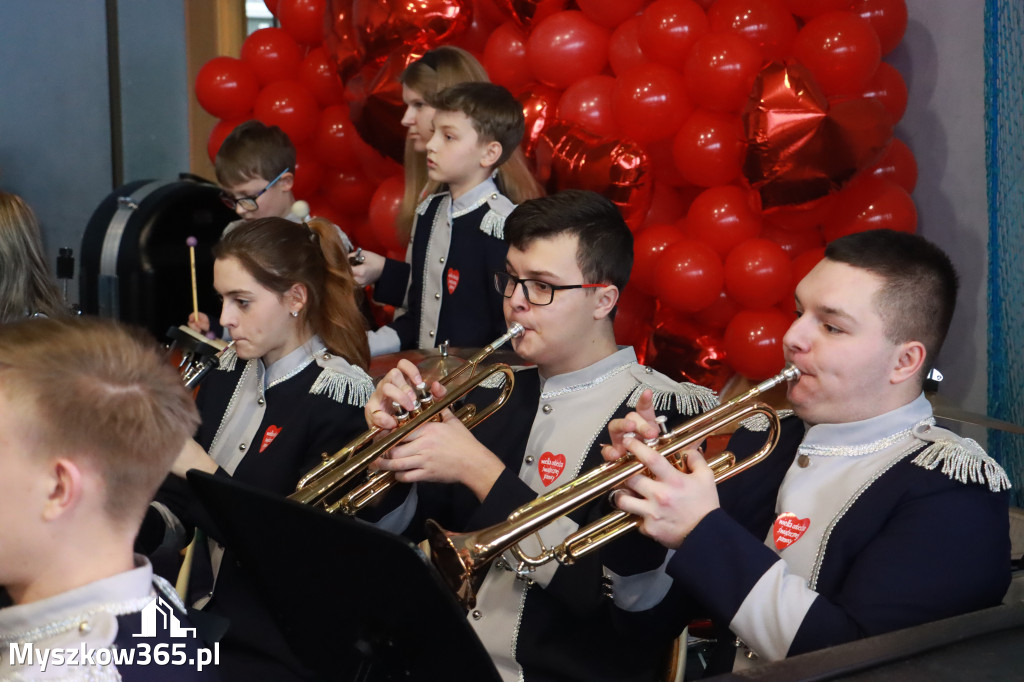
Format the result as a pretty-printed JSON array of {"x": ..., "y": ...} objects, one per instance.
[{"x": 192, "y": 241}]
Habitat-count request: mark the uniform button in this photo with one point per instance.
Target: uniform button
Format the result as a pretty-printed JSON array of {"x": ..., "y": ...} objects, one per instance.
[
  {"x": 494, "y": 195},
  {"x": 803, "y": 461},
  {"x": 649, "y": 370},
  {"x": 431, "y": 333},
  {"x": 327, "y": 356},
  {"x": 84, "y": 627},
  {"x": 477, "y": 615},
  {"x": 261, "y": 401},
  {"x": 441, "y": 259},
  {"x": 437, "y": 296},
  {"x": 529, "y": 459},
  {"x": 242, "y": 447},
  {"x": 547, "y": 409}
]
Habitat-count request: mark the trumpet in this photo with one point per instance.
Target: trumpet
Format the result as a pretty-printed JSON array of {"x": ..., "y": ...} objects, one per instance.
[
  {"x": 324, "y": 486},
  {"x": 462, "y": 558}
]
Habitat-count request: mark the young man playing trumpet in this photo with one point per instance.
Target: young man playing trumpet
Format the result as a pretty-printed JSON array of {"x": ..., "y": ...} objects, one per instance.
[
  {"x": 569, "y": 258},
  {"x": 866, "y": 518}
]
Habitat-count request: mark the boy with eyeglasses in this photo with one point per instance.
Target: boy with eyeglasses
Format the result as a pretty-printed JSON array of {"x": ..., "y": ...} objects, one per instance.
[
  {"x": 568, "y": 260},
  {"x": 255, "y": 169}
]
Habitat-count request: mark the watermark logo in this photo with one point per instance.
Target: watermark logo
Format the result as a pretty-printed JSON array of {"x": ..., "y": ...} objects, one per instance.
[{"x": 160, "y": 612}]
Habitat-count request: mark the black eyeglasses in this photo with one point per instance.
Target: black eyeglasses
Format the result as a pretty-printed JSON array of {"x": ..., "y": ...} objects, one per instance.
[
  {"x": 536, "y": 291},
  {"x": 249, "y": 203}
]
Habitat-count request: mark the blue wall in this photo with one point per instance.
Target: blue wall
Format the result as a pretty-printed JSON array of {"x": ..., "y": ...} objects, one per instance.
[{"x": 55, "y": 114}]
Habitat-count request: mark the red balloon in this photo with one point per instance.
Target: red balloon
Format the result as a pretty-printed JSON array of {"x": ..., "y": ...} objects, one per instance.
[
  {"x": 624, "y": 47},
  {"x": 290, "y": 106},
  {"x": 569, "y": 157},
  {"x": 717, "y": 315},
  {"x": 649, "y": 102},
  {"x": 648, "y": 246},
  {"x": 340, "y": 40},
  {"x": 689, "y": 275},
  {"x": 566, "y": 47},
  {"x": 308, "y": 172},
  {"x": 871, "y": 204},
  {"x": 384, "y": 207},
  {"x": 505, "y": 57},
  {"x": 709, "y": 148},
  {"x": 889, "y": 88},
  {"x": 805, "y": 262},
  {"x": 588, "y": 104},
  {"x": 723, "y": 217},
  {"x": 349, "y": 194},
  {"x": 609, "y": 13},
  {"x": 757, "y": 273},
  {"x": 226, "y": 87},
  {"x": 793, "y": 242},
  {"x": 887, "y": 17},
  {"x": 668, "y": 204},
  {"x": 633, "y": 321},
  {"x": 273, "y": 54},
  {"x": 805, "y": 9},
  {"x": 669, "y": 28},
  {"x": 720, "y": 71},
  {"x": 897, "y": 164},
  {"x": 841, "y": 50},
  {"x": 220, "y": 131},
  {"x": 753, "y": 342},
  {"x": 767, "y": 24},
  {"x": 397, "y": 29},
  {"x": 271, "y": 6},
  {"x": 318, "y": 74},
  {"x": 802, "y": 147},
  {"x": 808, "y": 216},
  {"x": 539, "y": 103},
  {"x": 333, "y": 139},
  {"x": 528, "y": 13},
  {"x": 482, "y": 23},
  {"x": 303, "y": 19}
]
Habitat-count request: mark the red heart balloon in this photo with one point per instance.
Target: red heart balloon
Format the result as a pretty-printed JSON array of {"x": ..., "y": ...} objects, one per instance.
[
  {"x": 383, "y": 27},
  {"x": 801, "y": 146},
  {"x": 569, "y": 157}
]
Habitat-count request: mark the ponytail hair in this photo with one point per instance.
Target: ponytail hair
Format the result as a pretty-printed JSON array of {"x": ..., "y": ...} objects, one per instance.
[{"x": 279, "y": 254}]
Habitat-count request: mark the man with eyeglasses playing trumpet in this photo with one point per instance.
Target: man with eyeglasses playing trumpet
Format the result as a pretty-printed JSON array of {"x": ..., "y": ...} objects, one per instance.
[
  {"x": 867, "y": 518},
  {"x": 569, "y": 258}
]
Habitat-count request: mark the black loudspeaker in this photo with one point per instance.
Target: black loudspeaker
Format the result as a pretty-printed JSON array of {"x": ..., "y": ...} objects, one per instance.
[{"x": 135, "y": 257}]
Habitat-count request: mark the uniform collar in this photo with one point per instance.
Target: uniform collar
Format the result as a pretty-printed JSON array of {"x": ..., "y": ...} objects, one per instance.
[
  {"x": 591, "y": 375},
  {"x": 473, "y": 197},
  {"x": 862, "y": 435},
  {"x": 118, "y": 594},
  {"x": 293, "y": 363}
]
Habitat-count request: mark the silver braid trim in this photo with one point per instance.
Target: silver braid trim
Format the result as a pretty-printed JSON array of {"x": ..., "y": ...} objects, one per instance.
[
  {"x": 688, "y": 399},
  {"x": 493, "y": 224},
  {"x": 342, "y": 388},
  {"x": 964, "y": 460}
]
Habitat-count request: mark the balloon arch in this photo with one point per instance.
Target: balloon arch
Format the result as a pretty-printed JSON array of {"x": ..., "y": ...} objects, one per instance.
[{"x": 737, "y": 137}]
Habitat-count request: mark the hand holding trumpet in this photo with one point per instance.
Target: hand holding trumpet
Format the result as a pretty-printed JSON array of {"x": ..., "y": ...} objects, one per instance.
[{"x": 439, "y": 452}]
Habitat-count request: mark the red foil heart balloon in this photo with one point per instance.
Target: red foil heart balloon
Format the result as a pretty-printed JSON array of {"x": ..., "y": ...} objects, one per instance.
[
  {"x": 802, "y": 147},
  {"x": 569, "y": 157}
]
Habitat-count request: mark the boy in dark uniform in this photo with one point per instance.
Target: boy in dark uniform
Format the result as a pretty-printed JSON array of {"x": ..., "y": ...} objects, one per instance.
[
  {"x": 867, "y": 517},
  {"x": 569, "y": 257},
  {"x": 91, "y": 419},
  {"x": 445, "y": 284}
]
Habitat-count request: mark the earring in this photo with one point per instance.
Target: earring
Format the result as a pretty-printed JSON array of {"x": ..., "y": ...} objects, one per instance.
[{"x": 295, "y": 313}]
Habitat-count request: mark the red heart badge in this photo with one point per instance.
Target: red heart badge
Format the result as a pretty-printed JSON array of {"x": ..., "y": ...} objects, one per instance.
[
  {"x": 453, "y": 280},
  {"x": 550, "y": 467},
  {"x": 268, "y": 436},
  {"x": 787, "y": 529}
]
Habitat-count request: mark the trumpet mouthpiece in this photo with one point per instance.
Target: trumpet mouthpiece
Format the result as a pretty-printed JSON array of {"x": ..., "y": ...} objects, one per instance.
[
  {"x": 791, "y": 372},
  {"x": 515, "y": 330}
]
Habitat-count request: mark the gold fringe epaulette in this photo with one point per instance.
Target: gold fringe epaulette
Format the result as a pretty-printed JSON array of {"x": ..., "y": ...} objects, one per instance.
[
  {"x": 341, "y": 382},
  {"x": 228, "y": 358},
  {"x": 759, "y": 423},
  {"x": 962, "y": 459},
  {"x": 685, "y": 398}
]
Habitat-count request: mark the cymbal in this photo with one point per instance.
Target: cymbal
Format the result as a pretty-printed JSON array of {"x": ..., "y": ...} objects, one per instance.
[
  {"x": 943, "y": 410},
  {"x": 434, "y": 364}
]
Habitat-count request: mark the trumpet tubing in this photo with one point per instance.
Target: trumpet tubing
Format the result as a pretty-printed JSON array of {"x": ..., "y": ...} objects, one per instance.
[
  {"x": 462, "y": 557},
  {"x": 325, "y": 485}
]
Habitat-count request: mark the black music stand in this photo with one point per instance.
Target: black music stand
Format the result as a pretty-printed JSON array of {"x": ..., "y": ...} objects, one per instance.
[{"x": 354, "y": 602}]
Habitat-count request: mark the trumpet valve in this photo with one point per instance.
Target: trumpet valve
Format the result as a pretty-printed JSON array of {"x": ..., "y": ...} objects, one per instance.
[
  {"x": 721, "y": 462},
  {"x": 423, "y": 394}
]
